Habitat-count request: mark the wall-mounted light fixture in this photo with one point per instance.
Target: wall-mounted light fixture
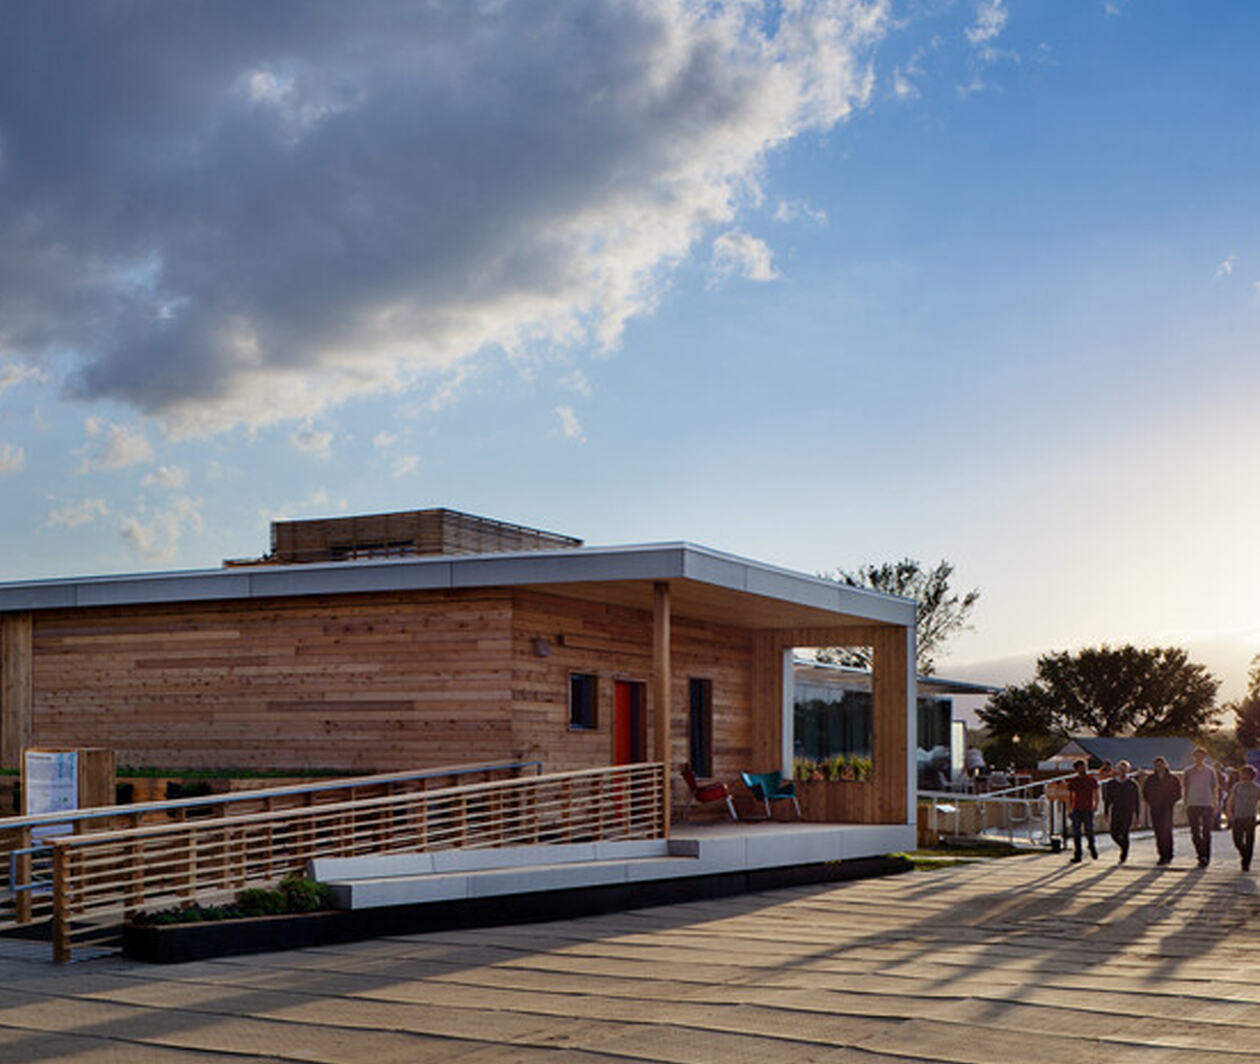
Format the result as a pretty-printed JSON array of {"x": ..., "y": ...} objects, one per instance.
[{"x": 542, "y": 649}]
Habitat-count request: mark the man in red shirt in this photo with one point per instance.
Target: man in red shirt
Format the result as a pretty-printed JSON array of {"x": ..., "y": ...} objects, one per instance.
[{"x": 1083, "y": 800}]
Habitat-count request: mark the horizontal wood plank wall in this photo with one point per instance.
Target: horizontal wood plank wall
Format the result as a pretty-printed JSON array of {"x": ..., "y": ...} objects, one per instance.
[
  {"x": 15, "y": 687},
  {"x": 882, "y": 799},
  {"x": 385, "y": 681},
  {"x": 615, "y": 643}
]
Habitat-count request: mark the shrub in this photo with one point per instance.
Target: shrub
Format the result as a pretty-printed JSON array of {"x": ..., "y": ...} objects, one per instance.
[
  {"x": 296, "y": 894},
  {"x": 304, "y": 895}
]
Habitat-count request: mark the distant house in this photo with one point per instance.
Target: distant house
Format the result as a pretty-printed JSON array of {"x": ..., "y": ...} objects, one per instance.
[{"x": 1140, "y": 751}]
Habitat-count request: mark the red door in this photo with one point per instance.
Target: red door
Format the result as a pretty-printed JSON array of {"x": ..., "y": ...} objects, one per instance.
[{"x": 628, "y": 737}]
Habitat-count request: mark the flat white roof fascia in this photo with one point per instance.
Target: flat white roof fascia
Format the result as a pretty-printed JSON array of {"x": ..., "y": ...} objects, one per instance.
[
  {"x": 652, "y": 561},
  {"x": 932, "y": 684}
]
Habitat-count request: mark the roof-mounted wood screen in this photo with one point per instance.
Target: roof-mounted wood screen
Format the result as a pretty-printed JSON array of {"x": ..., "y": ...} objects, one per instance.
[{"x": 410, "y": 532}]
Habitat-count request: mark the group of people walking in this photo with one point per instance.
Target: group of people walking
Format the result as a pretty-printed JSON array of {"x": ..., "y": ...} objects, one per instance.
[{"x": 1198, "y": 786}]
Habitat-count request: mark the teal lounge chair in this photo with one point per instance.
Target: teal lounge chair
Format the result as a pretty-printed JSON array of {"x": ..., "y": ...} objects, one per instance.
[{"x": 769, "y": 787}]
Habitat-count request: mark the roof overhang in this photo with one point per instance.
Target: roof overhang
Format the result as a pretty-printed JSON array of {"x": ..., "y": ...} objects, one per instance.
[
  {"x": 826, "y": 672},
  {"x": 704, "y": 583}
]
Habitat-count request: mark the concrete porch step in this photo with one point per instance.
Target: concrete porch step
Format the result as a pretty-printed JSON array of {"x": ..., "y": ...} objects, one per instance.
[
  {"x": 458, "y": 874},
  {"x": 461, "y": 874}
]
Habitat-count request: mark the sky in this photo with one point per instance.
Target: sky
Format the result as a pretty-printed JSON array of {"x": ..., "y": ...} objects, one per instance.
[{"x": 820, "y": 284}]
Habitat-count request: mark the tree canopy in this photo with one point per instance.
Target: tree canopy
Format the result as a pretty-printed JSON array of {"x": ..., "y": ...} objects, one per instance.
[
  {"x": 942, "y": 612},
  {"x": 1103, "y": 691},
  {"x": 1247, "y": 709}
]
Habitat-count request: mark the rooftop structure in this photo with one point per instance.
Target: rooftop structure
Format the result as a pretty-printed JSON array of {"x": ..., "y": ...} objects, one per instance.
[{"x": 399, "y": 534}]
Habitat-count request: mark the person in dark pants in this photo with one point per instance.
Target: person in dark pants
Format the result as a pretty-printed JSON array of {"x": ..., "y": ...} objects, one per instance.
[
  {"x": 1162, "y": 790},
  {"x": 1083, "y": 800},
  {"x": 1202, "y": 794},
  {"x": 1240, "y": 809},
  {"x": 1121, "y": 800}
]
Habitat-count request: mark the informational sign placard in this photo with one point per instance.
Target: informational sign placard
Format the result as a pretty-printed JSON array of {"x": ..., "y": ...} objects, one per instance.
[{"x": 51, "y": 785}]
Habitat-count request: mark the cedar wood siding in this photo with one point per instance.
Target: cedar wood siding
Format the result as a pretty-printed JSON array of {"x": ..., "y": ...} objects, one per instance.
[
  {"x": 615, "y": 643},
  {"x": 380, "y": 681},
  {"x": 369, "y": 681}
]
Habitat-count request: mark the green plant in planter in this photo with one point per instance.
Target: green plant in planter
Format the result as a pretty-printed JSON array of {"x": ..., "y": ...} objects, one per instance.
[
  {"x": 836, "y": 767},
  {"x": 304, "y": 895},
  {"x": 862, "y": 768},
  {"x": 295, "y": 894},
  {"x": 256, "y": 901}
]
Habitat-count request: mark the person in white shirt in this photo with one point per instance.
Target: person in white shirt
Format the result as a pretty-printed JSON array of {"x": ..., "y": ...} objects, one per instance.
[
  {"x": 1202, "y": 795},
  {"x": 1240, "y": 809}
]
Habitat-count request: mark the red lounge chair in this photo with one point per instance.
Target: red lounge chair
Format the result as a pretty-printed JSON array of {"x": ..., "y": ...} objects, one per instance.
[{"x": 705, "y": 791}]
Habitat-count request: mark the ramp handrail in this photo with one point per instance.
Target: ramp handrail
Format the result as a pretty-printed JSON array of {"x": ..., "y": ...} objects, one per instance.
[
  {"x": 26, "y": 858},
  {"x": 1017, "y": 807},
  {"x": 116, "y": 872}
]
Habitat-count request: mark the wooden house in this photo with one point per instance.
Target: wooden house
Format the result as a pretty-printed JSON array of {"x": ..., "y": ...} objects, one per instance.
[{"x": 428, "y": 638}]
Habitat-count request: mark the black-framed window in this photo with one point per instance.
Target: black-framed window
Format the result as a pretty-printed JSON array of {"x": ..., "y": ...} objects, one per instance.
[
  {"x": 700, "y": 725},
  {"x": 583, "y": 703}
]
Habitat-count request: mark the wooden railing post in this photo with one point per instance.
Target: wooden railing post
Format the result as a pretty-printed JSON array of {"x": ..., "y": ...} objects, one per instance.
[
  {"x": 61, "y": 903},
  {"x": 22, "y": 898}
]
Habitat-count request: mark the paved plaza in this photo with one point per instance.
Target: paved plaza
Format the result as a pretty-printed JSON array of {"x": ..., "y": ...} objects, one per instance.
[{"x": 1014, "y": 961}]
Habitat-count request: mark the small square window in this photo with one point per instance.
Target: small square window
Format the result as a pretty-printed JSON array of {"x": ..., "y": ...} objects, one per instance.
[{"x": 582, "y": 701}]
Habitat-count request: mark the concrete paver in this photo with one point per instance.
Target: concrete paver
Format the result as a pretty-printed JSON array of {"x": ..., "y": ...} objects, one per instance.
[{"x": 1024, "y": 959}]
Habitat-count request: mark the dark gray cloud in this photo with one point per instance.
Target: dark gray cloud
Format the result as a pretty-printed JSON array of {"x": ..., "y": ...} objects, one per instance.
[{"x": 242, "y": 211}]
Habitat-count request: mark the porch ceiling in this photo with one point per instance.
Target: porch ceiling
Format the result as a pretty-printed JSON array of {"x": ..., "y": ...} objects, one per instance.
[{"x": 698, "y": 601}]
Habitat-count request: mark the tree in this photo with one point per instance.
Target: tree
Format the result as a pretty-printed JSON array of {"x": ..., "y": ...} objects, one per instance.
[
  {"x": 1021, "y": 727},
  {"x": 1107, "y": 691},
  {"x": 1130, "y": 691},
  {"x": 942, "y": 614},
  {"x": 1247, "y": 710}
]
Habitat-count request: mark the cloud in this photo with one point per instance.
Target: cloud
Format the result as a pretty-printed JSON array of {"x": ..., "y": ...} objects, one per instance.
[
  {"x": 74, "y": 514},
  {"x": 736, "y": 253},
  {"x": 111, "y": 446},
  {"x": 11, "y": 374},
  {"x": 309, "y": 441},
  {"x": 991, "y": 18},
  {"x": 315, "y": 503},
  {"x": 12, "y": 458},
  {"x": 246, "y": 213},
  {"x": 405, "y": 464},
  {"x": 793, "y": 210},
  {"x": 1226, "y": 266},
  {"x": 383, "y": 441},
  {"x": 167, "y": 477},
  {"x": 157, "y": 536},
  {"x": 577, "y": 381},
  {"x": 570, "y": 427}
]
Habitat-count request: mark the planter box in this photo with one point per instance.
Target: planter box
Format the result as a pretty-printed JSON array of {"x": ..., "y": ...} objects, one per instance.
[
  {"x": 173, "y": 943},
  {"x": 835, "y": 802}
]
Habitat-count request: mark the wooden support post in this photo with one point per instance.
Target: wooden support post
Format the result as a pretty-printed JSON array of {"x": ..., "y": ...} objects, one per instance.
[
  {"x": 662, "y": 686},
  {"x": 61, "y": 903},
  {"x": 22, "y": 899},
  {"x": 16, "y": 728},
  {"x": 189, "y": 891},
  {"x": 135, "y": 866},
  {"x": 892, "y": 698}
]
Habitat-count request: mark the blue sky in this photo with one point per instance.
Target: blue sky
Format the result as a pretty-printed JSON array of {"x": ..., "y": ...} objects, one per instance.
[{"x": 823, "y": 284}]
